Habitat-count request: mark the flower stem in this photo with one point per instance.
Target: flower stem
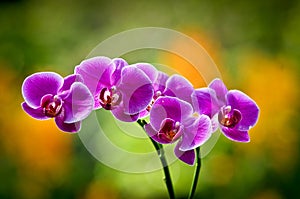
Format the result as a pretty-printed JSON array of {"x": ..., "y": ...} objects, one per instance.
[
  {"x": 196, "y": 174},
  {"x": 161, "y": 154}
]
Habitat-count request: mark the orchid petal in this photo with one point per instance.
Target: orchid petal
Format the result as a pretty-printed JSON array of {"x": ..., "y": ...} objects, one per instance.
[
  {"x": 205, "y": 101},
  {"x": 96, "y": 73},
  {"x": 148, "y": 69},
  {"x": 178, "y": 86},
  {"x": 187, "y": 157},
  {"x": 214, "y": 123},
  {"x": 169, "y": 107},
  {"x": 144, "y": 113},
  {"x": 119, "y": 114},
  {"x": 119, "y": 64},
  {"x": 160, "y": 82},
  {"x": 67, "y": 127},
  {"x": 235, "y": 134},
  {"x": 68, "y": 81},
  {"x": 78, "y": 104},
  {"x": 136, "y": 90},
  {"x": 219, "y": 87},
  {"x": 37, "y": 85},
  {"x": 248, "y": 108},
  {"x": 196, "y": 134},
  {"x": 36, "y": 113}
]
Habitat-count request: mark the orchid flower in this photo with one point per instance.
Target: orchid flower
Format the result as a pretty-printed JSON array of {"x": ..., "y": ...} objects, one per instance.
[
  {"x": 171, "y": 120},
  {"x": 48, "y": 95},
  {"x": 124, "y": 89},
  {"x": 173, "y": 86},
  {"x": 233, "y": 111}
]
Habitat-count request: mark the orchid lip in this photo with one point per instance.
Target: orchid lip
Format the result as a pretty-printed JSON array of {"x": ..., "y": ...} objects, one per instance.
[
  {"x": 51, "y": 105},
  {"x": 169, "y": 130},
  {"x": 155, "y": 96},
  {"x": 229, "y": 117},
  {"x": 109, "y": 98}
]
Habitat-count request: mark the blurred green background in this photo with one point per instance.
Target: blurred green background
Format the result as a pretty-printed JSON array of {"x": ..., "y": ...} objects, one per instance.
[{"x": 256, "y": 45}]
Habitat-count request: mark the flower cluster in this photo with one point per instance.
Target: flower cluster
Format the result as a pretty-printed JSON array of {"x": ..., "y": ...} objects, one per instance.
[{"x": 177, "y": 111}]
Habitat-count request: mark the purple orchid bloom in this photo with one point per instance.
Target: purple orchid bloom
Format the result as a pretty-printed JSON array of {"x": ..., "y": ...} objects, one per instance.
[
  {"x": 172, "y": 119},
  {"x": 180, "y": 87},
  {"x": 173, "y": 86},
  {"x": 233, "y": 111},
  {"x": 123, "y": 89},
  {"x": 159, "y": 85},
  {"x": 48, "y": 95}
]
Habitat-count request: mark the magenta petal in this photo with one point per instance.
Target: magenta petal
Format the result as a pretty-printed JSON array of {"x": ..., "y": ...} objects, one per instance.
[
  {"x": 67, "y": 127},
  {"x": 160, "y": 82},
  {"x": 78, "y": 104},
  {"x": 148, "y": 69},
  {"x": 96, "y": 73},
  {"x": 36, "y": 113},
  {"x": 178, "y": 86},
  {"x": 119, "y": 114},
  {"x": 214, "y": 123},
  {"x": 69, "y": 80},
  {"x": 248, "y": 108},
  {"x": 187, "y": 157},
  {"x": 150, "y": 131},
  {"x": 205, "y": 101},
  {"x": 143, "y": 114},
  {"x": 140, "y": 99},
  {"x": 119, "y": 65},
  {"x": 154, "y": 134},
  {"x": 219, "y": 88},
  {"x": 169, "y": 107},
  {"x": 196, "y": 134},
  {"x": 236, "y": 135},
  {"x": 37, "y": 85},
  {"x": 136, "y": 89}
]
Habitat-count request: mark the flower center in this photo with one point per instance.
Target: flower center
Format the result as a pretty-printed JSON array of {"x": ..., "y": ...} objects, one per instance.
[
  {"x": 169, "y": 130},
  {"x": 156, "y": 95},
  {"x": 51, "y": 105},
  {"x": 229, "y": 117},
  {"x": 109, "y": 98}
]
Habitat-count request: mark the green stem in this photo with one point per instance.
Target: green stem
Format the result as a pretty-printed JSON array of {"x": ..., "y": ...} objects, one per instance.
[
  {"x": 196, "y": 174},
  {"x": 161, "y": 154}
]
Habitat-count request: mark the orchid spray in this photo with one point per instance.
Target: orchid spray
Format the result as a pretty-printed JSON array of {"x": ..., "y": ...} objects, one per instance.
[{"x": 168, "y": 108}]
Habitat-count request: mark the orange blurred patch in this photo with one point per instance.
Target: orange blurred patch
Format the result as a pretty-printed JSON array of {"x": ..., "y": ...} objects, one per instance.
[
  {"x": 39, "y": 149},
  {"x": 38, "y": 145},
  {"x": 273, "y": 85},
  {"x": 100, "y": 190},
  {"x": 268, "y": 194},
  {"x": 204, "y": 61}
]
